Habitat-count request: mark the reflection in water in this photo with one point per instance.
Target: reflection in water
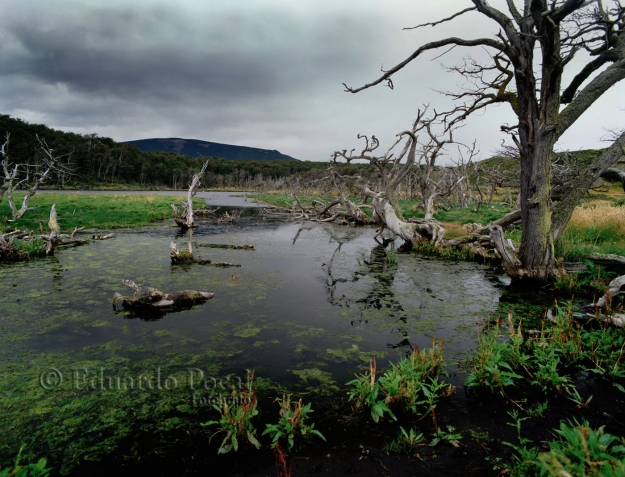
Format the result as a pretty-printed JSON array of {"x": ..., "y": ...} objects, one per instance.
[{"x": 379, "y": 296}]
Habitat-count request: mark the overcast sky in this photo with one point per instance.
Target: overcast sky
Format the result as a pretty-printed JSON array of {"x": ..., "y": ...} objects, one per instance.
[{"x": 261, "y": 73}]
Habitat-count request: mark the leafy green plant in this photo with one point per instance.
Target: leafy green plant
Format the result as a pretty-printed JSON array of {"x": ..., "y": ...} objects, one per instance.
[
  {"x": 365, "y": 391},
  {"x": 448, "y": 436},
  {"x": 523, "y": 457},
  {"x": 235, "y": 420},
  {"x": 605, "y": 349},
  {"x": 28, "y": 470},
  {"x": 492, "y": 362},
  {"x": 539, "y": 409},
  {"x": 411, "y": 383},
  {"x": 406, "y": 441},
  {"x": 292, "y": 422},
  {"x": 582, "y": 450}
]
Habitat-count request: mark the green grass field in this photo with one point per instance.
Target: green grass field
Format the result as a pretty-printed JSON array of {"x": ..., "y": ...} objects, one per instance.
[{"x": 101, "y": 211}]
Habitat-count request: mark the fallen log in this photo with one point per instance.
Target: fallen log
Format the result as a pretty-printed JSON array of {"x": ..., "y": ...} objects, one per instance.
[
  {"x": 608, "y": 309},
  {"x": 151, "y": 298},
  {"x": 617, "y": 261}
]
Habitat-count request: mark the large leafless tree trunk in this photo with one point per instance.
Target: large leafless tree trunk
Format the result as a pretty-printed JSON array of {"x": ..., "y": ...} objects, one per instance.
[{"x": 555, "y": 32}]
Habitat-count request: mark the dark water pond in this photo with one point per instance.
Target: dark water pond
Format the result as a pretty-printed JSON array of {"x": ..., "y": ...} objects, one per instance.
[{"x": 306, "y": 310}]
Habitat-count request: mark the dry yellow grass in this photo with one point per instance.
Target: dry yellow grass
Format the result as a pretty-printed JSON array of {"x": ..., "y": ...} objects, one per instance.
[
  {"x": 453, "y": 230},
  {"x": 599, "y": 213}
]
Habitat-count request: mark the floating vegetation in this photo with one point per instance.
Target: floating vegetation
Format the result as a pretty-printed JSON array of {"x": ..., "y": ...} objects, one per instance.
[
  {"x": 319, "y": 381},
  {"x": 246, "y": 331}
]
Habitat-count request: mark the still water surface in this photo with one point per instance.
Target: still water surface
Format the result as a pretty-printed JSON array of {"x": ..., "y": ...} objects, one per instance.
[{"x": 306, "y": 290}]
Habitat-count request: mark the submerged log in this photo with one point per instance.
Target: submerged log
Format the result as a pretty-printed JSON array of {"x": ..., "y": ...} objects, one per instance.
[
  {"x": 186, "y": 257},
  {"x": 225, "y": 245},
  {"x": 223, "y": 264},
  {"x": 148, "y": 297}
]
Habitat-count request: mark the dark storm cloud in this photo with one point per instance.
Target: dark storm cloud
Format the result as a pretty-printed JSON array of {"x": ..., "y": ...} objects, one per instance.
[
  {"x": 263, "y": 73},
  {"x": 160, "y": 51}
]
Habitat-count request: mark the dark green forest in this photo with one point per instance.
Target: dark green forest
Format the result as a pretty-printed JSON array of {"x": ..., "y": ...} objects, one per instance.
[{"x": 100, "y": 162}]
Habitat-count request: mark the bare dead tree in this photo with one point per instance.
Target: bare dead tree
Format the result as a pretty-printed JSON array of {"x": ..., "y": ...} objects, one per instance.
[
  {"x": 184, "y": 219},
  {"x": 31, "y": 176},
  {"x": 555, "y": 31},
  {"x": 10, "y": 180},
  {"x": 391, "y": 170},
  {"x": 460, "y": 173}
]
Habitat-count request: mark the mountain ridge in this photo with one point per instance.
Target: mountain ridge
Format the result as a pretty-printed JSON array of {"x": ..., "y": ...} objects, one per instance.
[{"x": 200, "y": 148}]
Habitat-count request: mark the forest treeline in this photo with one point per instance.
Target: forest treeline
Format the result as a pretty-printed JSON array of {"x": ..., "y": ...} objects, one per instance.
[{"x": 98, "y": 161}]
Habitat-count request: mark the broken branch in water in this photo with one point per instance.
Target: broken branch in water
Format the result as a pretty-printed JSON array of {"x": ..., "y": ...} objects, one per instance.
[{"x": 230, "y": 218}]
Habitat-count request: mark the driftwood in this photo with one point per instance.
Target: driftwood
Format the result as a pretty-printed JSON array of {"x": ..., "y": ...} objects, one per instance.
[
  {"x": 102, "y": 236},
  {"x": 10, "y": 252},
  {"x": 147, "y": 297},
  {"x": 225, "y": 245},
  {"x": 608, "y": 309},
  {"x": 504, "y": 222},
  {"x": 505, "y": 249}
]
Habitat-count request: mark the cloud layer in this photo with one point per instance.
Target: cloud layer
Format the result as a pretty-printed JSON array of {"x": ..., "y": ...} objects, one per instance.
[{"x": 256, "y": 73}]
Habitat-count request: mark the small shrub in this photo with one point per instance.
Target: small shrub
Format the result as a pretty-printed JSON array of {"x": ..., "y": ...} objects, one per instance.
[
  {"x": 292, "y": 422},
  {"x": 412, "y": 384},
  {"x": 492, "y": 363},
  {"x": 235, "y": 420}
]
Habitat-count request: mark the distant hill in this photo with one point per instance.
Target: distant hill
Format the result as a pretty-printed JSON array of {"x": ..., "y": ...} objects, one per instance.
[{"x": 197, "y": 148}]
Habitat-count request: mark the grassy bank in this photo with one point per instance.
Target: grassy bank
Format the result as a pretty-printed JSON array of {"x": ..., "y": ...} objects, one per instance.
[
  {"x": 597, "y": 226},
  {"x": 94, "y": 211}
]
